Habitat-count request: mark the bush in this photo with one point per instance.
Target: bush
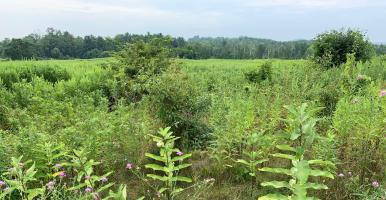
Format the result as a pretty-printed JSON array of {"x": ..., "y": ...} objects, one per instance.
[
  {"x": 330, "y": 48},
  {"x": 179, "y": 104},
  {"x": 264, "y": 73}
]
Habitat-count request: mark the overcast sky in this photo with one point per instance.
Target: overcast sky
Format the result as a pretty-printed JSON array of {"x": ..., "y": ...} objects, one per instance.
[{"x": 273, "y": 19}]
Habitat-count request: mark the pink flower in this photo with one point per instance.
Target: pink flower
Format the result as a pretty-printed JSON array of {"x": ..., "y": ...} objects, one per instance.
[
  {"x": 62, "y": 174},
  {"x": 50, "y": 185},
  {"x": 382, "y": 93},
  {"x": 2, "y": 183},
  {"x": 129, "y": 166},
  {"x": 341, "y": 175},
  {"x": 180, "y": 153},
  {"x": 104, "y": 179},
  {"x": 88, "y": 190},
  {"x": 87, "y": 177},
  {"x": 375, "y": 184}
]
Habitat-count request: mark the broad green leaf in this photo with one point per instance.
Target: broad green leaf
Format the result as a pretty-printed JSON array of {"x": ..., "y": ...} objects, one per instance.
[
  {"x": 155, "y": 167},
  {"x": 242, "y": 161},
  {"x": 285, "y": 156},
  {"x": 183, "y": 179},
  {"x": 155, "y": 157},
  {"x": 276, "y": 184},
  {"x": 276, "y": 170},
  {"x": 161, "y": 178},
  {"x": 32, "y": 193},
  {"x": 178, "y": 158},
  {"x": 286, "y": 148},
  {"x": 107, "y": 186},
  {"x": 321, "y": 173},
  {"x": 182, "y": 166}
]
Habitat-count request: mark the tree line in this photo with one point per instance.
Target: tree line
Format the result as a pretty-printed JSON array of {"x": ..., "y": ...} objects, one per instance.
[{"x": 56, "y": 44}]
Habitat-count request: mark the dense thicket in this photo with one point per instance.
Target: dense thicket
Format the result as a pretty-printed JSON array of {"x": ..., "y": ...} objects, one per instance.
[{"x": 330, "y": 49}]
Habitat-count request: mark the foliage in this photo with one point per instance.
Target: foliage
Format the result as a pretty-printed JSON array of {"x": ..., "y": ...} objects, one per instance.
[
  {"x": 330, "y": 48},
  {"x": 301, "y": 129},
  {"x": 264, "y": 73},
  {"x": 171, "y": 160}
]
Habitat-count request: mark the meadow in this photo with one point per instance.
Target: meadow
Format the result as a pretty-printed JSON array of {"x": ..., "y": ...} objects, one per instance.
[{"x": 71, "y": 121}]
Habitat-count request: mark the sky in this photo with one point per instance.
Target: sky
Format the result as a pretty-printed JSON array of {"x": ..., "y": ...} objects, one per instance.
[{"x": 273, "y": 19}]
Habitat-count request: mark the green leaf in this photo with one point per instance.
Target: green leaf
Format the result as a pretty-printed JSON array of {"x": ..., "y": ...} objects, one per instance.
[
  {"x": 242, "y": 161},
  {"x": 285, "y": 156},
  {"x": 276, "y": 184},
  {"x": 276, "y": 170},
  {"x": 156, "y": 177},
  {"x": 155, "y": 157},
  {"x": 107, "y": 186},
  {"x": 182, "y": 166},
  {"x": 32, "y": 193},
  {"x": 321, "y": 162},
  {"x": 176, "y": 191},
  {"x": 316, "y": 186},
  {"x": 286, "y": 148},
  {"x": 179, "y": 158},
  {"x": 155, "y": 167},
  {"x": 321, "y": 173},
  {"x": 183, "y": 179}
]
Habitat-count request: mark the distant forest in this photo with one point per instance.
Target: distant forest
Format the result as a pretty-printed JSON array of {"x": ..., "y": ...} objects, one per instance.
[{"x": 56, "y": 44}]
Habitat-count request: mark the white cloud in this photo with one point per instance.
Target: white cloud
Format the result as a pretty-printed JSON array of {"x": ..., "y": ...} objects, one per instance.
[
  {"x": 313, "y": 3},
  {"x": 78, "y": 6}
]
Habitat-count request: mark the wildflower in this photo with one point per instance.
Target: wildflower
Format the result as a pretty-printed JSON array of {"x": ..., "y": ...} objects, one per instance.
[
  {"x": 350, "y": 173},
  {"x": 58, "y": 165},
  {"x": 87, "y": 177},
  {"x": 62, "y": 174},
  {"x": 129, "y": 166},
  {"x": 360, "y": 77},
  {"x": 341, "y": 175},
  {"x": 104, "y": 179},
  {"x": 375, "y": 184},
  {"x": 88, "y": 190},
  {"x": 355, "y": 101},
  {"x": 21, "y": 165},
  {"x": 50, "y": 185},
  {"x": 2, "y": 183},
  {"x": 180, "y": 153},
  {"x": 382, "y": 93}
]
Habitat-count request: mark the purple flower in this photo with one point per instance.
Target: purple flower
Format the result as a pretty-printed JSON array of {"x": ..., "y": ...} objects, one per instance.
[
  {"x": 341, "y": 175},
  {"x": 360, "y": 77},
  {"x": 104, "y": 179},
  {"x": 2, "y": 183},
  {"x": 375, "y": 184},
  {"x": 87, "y": 177},
  {"x": 382, "y": 93},
  {"x": 129, "y": 166},
  {"x": 50, "y": 185},
  {"x": 88, "y": 190},
  {"x": 62, "y": 174},
  {"x": 180, "y": 153}
]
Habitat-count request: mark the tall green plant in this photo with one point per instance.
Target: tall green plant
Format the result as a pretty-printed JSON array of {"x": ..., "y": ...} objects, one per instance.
[
  {"x": 171, "y": 162},
  {"x": 301, "y": 127}
]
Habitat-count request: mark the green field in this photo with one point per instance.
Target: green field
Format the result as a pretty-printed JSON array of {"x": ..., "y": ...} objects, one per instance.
[{"x": 49, "y": 108}]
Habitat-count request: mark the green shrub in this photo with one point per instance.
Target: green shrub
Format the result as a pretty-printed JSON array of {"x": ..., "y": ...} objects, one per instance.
[
  {"x": 264, "y": 73},
  {"x": 330, "y": 48}
]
